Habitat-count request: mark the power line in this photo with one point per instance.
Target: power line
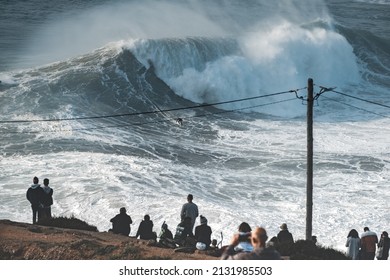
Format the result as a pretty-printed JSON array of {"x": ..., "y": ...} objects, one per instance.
[
  {"x": 361, "y": 109},
  {"x": 153, "y": 122},
  {"x": 150, "y": 112},
  {"x": 357, "y": 98}
]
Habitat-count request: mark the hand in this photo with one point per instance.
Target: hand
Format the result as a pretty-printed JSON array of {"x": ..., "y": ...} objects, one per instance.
[{"x": 235, "y": 240}]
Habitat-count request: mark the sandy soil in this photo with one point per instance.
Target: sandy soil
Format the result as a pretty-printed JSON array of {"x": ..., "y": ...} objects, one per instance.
[{"x": 32, "y": 242}]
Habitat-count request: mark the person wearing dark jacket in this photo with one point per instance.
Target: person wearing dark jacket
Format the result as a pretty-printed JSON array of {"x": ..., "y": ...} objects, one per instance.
[
  {"x": 184, "y": 235},
  {"x": 284, "y": 236},
  {"x": 384, "y": 246},
  {"x": 203, "y": 232},
  {"x": 35, "y": 195},
  {"x": 145, "y": 229},
  {"x": 121, "y": 223},
  {"x": 47, "y": 199},
  {"x": 165, "y": 232}
]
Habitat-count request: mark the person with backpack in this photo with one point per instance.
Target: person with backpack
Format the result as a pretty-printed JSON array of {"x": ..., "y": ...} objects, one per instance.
[{"x": 184, "y": 236}]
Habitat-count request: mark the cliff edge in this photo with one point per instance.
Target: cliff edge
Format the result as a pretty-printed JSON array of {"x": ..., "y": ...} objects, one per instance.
[{"x": 22, "y": 241}]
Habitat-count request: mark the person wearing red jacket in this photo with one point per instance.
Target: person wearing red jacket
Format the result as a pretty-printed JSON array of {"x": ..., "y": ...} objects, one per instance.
[{"x": 368, "y": 241}]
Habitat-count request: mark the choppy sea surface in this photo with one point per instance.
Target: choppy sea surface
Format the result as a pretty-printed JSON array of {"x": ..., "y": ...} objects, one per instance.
[{"x": 90, "y": 91}]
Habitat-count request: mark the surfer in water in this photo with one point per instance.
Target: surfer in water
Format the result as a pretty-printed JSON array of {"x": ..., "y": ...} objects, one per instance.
[{"x": 179, "y": 121}]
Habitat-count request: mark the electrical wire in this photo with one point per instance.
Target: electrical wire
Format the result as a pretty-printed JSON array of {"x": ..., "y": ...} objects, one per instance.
[
  {"x": 151, "y": 122},
  {"x": 357, "y": 98},
  {"x": 148, "y": 112},
  {"x": 361, "y": 109}
]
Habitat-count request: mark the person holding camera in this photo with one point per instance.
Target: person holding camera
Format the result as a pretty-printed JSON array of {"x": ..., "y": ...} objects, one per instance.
[
  {"x": 244, "y": 238},
  {"x": 260, "y": 251}
]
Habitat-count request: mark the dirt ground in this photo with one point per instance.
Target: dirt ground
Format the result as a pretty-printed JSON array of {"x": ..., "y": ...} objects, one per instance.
[{"x": 21, "y": 241}]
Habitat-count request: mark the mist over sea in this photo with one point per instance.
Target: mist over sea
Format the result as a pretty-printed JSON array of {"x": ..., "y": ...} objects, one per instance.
[{"x": 90, "y": 91}]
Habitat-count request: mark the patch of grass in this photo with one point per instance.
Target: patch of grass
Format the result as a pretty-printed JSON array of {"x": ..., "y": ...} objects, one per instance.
[
  {"x": 307, "y": 250},
  {"x": 35, "y": 229},
  {"x": 4, "y": 255},
  {"x": 85, "y": 244},
  {"x": 70, "y": 223},
  {"x": 106, "y": 250},
  {"x": 132, "y": 251}
]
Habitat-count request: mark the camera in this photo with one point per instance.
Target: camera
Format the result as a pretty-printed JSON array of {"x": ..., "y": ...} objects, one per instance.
[{"x": 244, "y": 236}]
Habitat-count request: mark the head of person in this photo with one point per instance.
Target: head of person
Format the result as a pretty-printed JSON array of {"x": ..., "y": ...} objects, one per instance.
[
  {"x": 203, "y": 220},
  {"x": 353, "y": 233},
  {"x": 122, "y": 210},
  {"x": 146, "y": 217},
  {"x": 244, "y": 227},
  {"x": 385, "y": 234},
  {"x": 190, "y": 197},
  {"x": 366, "y": 229},
  {"x": 259, "y": 237},
  {"x": 46, "y": 182},
  {"x": 35, "y": 180},
  {"x": 283, "y": 226}
]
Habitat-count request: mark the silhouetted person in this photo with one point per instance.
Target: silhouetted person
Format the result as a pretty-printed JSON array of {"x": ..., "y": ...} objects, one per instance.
[
  {"x": 184, "y": 235},
  {"x": 165, "y": 232},
  {"x": 368, "y": 241},
  {"x": 189, "y": 209},
  {"x": 260, "y": 251},
  {"x": 121, "y": 223},
  {"x": 47, "y": 199},
  {"x": 384, "y": 246},
  {"x": 145, "y": 229},
  {"x": 35, "y": 195},
  {"x": 203, "y": 233},
  {"x": 166, "y": 237},
  {"x": 284, "y": 236}
]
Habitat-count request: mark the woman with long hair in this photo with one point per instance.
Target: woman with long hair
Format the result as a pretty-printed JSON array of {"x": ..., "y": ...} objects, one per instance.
[{"x": 353, "y": 244}]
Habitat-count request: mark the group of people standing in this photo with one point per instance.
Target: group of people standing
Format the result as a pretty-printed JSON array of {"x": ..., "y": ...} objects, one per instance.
[
  {"x": 367, "y": 246},
  {"x": 41, "y": 199}
]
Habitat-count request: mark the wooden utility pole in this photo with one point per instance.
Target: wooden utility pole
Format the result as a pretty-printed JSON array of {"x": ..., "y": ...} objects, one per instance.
[{"x": 309, "y": 184}]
